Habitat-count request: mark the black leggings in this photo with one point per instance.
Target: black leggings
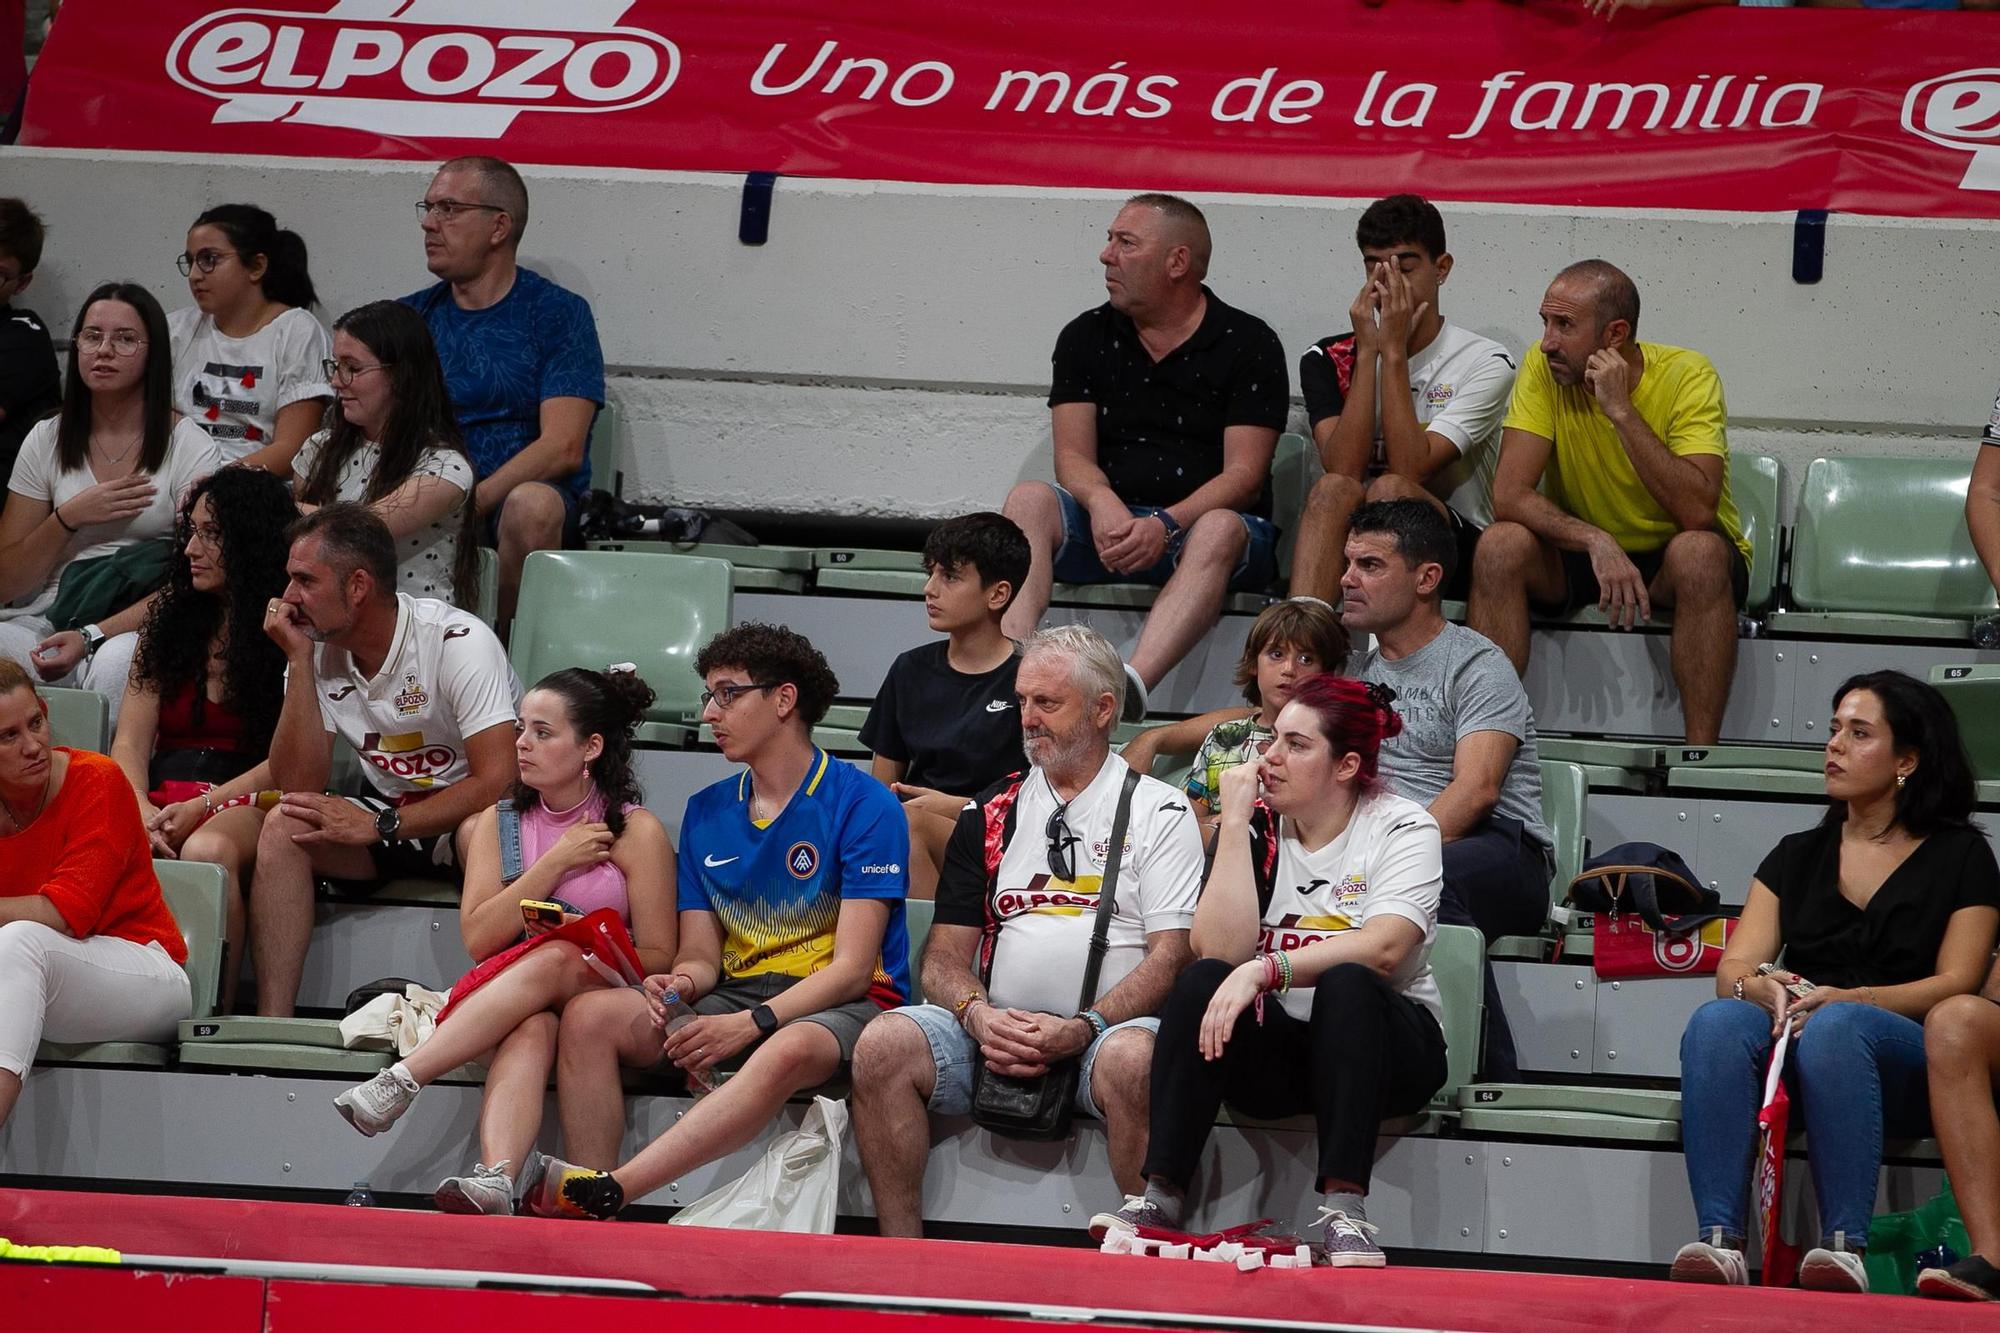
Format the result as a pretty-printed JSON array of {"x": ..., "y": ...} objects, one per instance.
[{"x": 1366, "y": 1054}]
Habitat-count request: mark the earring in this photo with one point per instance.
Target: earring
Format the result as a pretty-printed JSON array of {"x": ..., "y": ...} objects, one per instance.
[{"x": 1901, "y": 778}]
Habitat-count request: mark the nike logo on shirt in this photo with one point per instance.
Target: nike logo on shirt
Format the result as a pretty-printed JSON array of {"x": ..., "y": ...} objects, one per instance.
[
  {"x": 998, "y": 706},
  {"x": 712, "y": 863}
]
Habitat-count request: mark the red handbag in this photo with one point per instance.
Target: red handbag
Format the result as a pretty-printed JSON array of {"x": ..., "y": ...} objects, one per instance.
[
  {"x": 1626, "y": 946},
  {"x": 607, "y": 949}
]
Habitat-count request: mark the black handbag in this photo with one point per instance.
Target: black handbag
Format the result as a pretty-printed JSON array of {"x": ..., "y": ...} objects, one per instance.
[{"x": 1039, "y": 1109}]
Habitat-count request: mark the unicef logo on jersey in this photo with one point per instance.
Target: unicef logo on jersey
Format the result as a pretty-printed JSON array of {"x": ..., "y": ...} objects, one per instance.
[{"x": 802, "y": 860}]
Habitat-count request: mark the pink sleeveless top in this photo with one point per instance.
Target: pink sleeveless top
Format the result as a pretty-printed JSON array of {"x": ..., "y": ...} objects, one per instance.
[{"x": 591, "y": 887}]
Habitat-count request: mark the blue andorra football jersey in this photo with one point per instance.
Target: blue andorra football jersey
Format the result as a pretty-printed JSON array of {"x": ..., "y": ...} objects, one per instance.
[{"x": 776, "y": 891}]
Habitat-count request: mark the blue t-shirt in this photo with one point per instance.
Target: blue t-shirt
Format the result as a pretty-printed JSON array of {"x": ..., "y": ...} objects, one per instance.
[
  {"x": 539, "y": 341},
  {"x": 776, "y": 891}
]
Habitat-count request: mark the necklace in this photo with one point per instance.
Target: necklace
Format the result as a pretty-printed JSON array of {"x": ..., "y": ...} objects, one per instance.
[
  {"x": 20, "y": 824},
  {"x": 130, "y": 449}
]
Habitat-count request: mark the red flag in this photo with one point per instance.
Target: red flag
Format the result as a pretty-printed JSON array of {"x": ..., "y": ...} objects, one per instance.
[{"x": 1781, "y": 1258}]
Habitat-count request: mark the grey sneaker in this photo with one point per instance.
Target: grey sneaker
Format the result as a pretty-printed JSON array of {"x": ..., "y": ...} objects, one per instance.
[
  {"x": 1347, "y": 1242},
  {"x": 1712, "y": 1262},
  {"x": 489, "y": 1190},
  {"x": 1135, "y": 697},
  {"x": 1834, "y": 1269},
  {"x": 373, "y": 1106},
  {"x": 1139, "y": 1211}
]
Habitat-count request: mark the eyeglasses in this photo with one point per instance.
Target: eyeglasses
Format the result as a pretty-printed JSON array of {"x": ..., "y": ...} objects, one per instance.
[
  {"x": 1062, "y": 861},
  {"x": 444, "y": 210},
  {"x": 205, "y": 260},
  {"x": 209, "y": 534},
  {"x": 727, "y": 695},
  {"x": 124, "y": 342},
  {"x": 338, "y": 372}
]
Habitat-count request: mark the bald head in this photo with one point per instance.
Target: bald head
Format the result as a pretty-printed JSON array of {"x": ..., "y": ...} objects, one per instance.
[{"x": 1611, "y": 294}]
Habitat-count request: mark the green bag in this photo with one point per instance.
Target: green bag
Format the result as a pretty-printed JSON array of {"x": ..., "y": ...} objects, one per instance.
[
  {"x": 1896, "y": 1239},
  {"x": 104, "y": 585}
]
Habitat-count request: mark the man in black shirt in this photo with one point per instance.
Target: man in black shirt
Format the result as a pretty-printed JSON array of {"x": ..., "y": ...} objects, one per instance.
[
  {"x": 1166, "y": 408},
  {"x": 30, "y": 383}
]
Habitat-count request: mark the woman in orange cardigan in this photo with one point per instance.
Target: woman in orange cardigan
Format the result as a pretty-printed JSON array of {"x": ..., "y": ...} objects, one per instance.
[{"x": 88, "y": 950}]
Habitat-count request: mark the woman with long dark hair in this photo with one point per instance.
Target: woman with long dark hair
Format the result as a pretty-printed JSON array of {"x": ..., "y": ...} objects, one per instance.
[
  {"x": 393, "y": 444},
  {"x": 207, "y": 681},
  {"x": 101, "y": 476},
  {"x": 248, "y": 353},
  {"x": 585, "y": 843},
  {"x": 1885, "y": 909}
]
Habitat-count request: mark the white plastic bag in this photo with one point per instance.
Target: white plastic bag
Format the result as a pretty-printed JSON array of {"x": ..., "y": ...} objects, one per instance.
[
  {"x": 398, "y": 1023},
  {"x": 795, "y": 1186}
]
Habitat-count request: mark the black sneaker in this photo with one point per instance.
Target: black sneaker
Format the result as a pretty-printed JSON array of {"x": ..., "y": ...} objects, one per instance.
[{"x": 1970, "y": 1279}]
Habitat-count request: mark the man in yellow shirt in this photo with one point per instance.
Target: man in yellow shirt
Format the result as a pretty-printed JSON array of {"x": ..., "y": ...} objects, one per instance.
[{"x": 1637, "y": 512}]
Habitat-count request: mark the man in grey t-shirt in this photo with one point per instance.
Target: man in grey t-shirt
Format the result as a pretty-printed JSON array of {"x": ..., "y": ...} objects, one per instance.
[{"x": 1467, "y": 749}]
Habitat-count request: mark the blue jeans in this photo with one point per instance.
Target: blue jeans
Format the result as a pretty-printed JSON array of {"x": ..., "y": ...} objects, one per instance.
[
  {"x": 1855, "y": 1072},
  {"x": 1076, "y": 559}
]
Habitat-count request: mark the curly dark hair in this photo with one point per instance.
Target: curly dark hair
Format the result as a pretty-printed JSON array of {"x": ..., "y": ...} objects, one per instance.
[
  {"x": 774, "y": 655},
  {"x": 251, "y": 509},
  {"x": 610, "y": 704}
]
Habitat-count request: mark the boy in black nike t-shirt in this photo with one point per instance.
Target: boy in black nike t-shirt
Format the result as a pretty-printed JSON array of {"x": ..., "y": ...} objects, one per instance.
[{"x": 944, "y": 724}]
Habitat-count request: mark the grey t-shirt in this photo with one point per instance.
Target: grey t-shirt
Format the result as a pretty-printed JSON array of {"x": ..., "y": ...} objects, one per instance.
[{"x": 1458, "y": 683}]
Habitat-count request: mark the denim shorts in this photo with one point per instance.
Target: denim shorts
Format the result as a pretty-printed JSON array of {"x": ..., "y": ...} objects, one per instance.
[
  {"x": 1076, "y": 559},
  {"x": 953, "y": 1052}
]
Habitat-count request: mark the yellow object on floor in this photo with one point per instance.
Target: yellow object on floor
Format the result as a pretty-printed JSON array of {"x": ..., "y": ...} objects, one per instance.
[{"x": 59, "y": 1254}]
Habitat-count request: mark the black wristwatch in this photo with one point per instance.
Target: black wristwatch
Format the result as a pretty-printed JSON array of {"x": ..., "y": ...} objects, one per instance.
[
  {"x": 1173, "y": 526},
  {"x": 387, "y": 823},
  {"x": 766, "y": 1021}
]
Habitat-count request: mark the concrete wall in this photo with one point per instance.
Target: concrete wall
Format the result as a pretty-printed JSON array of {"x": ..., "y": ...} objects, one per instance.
[{"x": 885, "y": 354}]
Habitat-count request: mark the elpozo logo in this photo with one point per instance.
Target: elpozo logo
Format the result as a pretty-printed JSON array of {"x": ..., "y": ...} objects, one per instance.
[
  {"x": 435, "y": 68},
  {"x": 1961, "y": 110}
]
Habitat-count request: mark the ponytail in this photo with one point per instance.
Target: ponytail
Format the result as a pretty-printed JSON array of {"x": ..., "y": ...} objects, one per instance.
[
  {"x": 1355, "y": 717},
  {"x": 254, "y": 232},
  {"x": 610, "y": 703}
]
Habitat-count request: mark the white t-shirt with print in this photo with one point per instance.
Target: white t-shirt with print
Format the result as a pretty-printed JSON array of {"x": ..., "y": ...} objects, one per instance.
[
  {"x": 1046, "y": 923},
  {"x": 233, "y": 388},
  {"x": 446, "y": 677},
  {"x": 1387, "y": 861},
  {"x": 191, "y": 455},
  {"x": 424, "y": 558}
]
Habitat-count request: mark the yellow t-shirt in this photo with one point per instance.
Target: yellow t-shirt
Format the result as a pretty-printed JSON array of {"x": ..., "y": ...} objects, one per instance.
[{"x": 1679, "y": 395}]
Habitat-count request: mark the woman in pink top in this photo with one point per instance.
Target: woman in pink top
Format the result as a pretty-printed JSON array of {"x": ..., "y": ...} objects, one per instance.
[{"x": 585, "y": 843}]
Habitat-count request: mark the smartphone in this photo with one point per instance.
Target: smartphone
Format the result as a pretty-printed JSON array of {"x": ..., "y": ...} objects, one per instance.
[
  {"x": 1799, "y": 989},
  {"x": 540, "y": 913}
]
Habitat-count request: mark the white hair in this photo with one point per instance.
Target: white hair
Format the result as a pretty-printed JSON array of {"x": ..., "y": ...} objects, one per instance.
[{"x": 1094, "y": 665}]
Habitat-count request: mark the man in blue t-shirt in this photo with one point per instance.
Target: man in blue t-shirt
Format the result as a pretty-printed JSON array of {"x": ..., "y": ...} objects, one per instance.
[
  {"x": 521, "y": 359},
  {"x": 792, "y": 936}
]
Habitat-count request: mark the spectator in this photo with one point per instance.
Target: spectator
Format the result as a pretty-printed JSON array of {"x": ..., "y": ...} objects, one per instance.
[
  {"x": 521, "y": 358},
  {"x": 30, "y": 382},
  {"x": 422, "y": 691},
  {"x": 206, "y": 684},
  {"x": 1322, "y": 900},
  {"x": 1982, "y": 496},
  {"x": 394, "y": 446},
  {"x": 1166, "y": 409},
  {"x": 1962, "y": 1048},
  {"x": 88, "y": 950},
  {"x": 586, "y": 845},
  {"x": 1026, "y": 911},
  {"x": 1289, "y": 643},
  {"x": 1638, "y": 512},
  {"x": 248, "y": 355},
  {"x": 1429, "y": 398},
  {"x": 791, "y": 937},
  {"x": 944, "y": 725},
  {"x": 100, "y": 482},
  {"x": 1886, "y": 908}
]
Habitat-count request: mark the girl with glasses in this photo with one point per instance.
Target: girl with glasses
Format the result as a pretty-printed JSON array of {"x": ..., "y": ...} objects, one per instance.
[{"x": 247, "y": 353}]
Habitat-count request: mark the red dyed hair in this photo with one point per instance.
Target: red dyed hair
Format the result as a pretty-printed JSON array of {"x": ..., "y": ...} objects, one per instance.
[{"x": 1354, "y": 716}]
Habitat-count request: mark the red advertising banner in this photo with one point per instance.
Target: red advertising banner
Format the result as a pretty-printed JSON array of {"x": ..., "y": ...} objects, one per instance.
[{"x": 1864, "y": 111}]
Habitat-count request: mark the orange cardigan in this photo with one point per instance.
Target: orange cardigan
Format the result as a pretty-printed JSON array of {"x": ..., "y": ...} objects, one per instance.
[{"x": 88, "y": 854}]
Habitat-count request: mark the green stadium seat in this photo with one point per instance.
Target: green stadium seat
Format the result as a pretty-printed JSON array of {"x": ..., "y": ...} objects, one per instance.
[
  {"x": 577, "y": 608},
  {"x": 845, "y": 717},
  {"x": 917, "y": 916},
  {"x": 1974, "y": 695},
  {"x": 489, "y": 585},
  {"x": 1458, "y": 962},
  {"x": 79, "y": 719},
  {"x": 834, "y": 740},
  {"x": 1755, "y": 483},
  {"x": 1294, "y": 468},
  {"x": 1565, "y": 792},
  {"x": 1880, "y": 550},
  {"x": 604, "y": 450},
  {"x": 1753, "y": 781},
  {"x": 1636, "y": 756},
  {"x": 1644, "y": 1103}
]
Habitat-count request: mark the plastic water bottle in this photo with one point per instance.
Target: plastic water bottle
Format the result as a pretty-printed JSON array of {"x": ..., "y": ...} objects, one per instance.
[
  {"x": 360, "y": 1196},
  {"x": 679, "y": 1015}
]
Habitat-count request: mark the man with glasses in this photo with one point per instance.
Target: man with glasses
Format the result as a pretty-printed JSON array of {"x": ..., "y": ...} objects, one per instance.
[
  {"x": 521, "y": 359},
  {"x": 791, "y": 880},
  {"x": 1004, "y": 965}
]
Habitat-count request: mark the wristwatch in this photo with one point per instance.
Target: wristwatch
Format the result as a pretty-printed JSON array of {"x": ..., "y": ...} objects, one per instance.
[
  {"x": 1173, "y": 526},
  {"x": 93, "y": 638},
  {"x": 387, "y": 823},
  {"x": 766, "y": 1021}
]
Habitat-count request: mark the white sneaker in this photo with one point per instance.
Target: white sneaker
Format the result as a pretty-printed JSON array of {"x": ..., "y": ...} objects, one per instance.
[
  {"x": 1711, "y": 1261},
  {"x": 489, "y": 1190},
  {"x": 1836, "y": 1269},
  {"x": 373, "y": 1106},
  {"x": 1135, "y": 697}
]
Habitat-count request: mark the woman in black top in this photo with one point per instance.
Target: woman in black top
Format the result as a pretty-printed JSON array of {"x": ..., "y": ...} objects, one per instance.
[{"x": 1885, "y": 909}]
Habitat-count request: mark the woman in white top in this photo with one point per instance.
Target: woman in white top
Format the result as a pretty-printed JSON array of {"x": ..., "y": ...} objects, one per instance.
[
  {"x": 1312, "y": 989},
  {"x": 247, "y": 354},
  {"x": 106, "y": 472},
  {"x": 394, "y": 446}
]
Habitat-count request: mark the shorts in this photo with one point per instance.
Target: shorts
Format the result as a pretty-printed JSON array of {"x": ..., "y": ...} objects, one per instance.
[
  {"x": 1581, "y": 577},
  {"x": 953, "y": 1052},
  {"x": 1076, "y": 559},
  {"x": 435, "y": 857},
  {"x": 738, "y": 995},
  {"x": 572, "y": 538},
  {"x": 1466, "y": 534}
]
